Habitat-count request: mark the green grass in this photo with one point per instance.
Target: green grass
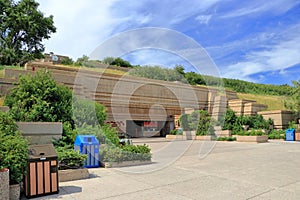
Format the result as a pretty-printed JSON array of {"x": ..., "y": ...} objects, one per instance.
[{"x": 273, "y": 102}]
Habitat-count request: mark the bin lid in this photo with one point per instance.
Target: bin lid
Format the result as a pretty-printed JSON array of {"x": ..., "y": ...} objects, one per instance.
[
  {"x": 86, "y": 139},
  {"x": 41, "y": 151}
]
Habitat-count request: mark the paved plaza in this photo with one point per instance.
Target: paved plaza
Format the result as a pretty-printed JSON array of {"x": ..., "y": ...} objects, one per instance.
[{"x": 197, "y": 170}]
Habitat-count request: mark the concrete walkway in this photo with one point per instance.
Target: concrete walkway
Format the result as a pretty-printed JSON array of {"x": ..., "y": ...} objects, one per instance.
[{"x": 197, "y": 170}]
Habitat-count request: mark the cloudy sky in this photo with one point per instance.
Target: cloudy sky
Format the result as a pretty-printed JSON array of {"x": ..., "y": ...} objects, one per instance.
[{"x": 256, "y": 40}]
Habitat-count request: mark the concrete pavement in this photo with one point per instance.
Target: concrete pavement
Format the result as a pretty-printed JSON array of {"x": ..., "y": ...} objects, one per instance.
[{"x": 197, "y": 170}]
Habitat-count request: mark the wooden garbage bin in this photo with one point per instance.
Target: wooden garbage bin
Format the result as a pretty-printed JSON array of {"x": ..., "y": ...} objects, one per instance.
[{"x": 42, "y": 171}]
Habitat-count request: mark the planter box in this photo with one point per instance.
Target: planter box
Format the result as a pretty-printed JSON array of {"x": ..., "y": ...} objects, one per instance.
[
  {"x": 125, "y": 163},
  {"x": 189, "y": 135},
  {"x": 175, "y": 137},
  {"x": 72, "y": 174},
  {"x": 257, "y": 139},
  {"x": 4, "y": 183},
  {"x": 297, "y": 136},
  {"x": 203, "y": 137},
  {"x": 225, "y": 133}
]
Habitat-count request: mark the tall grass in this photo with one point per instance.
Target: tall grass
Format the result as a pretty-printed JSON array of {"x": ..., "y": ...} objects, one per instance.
[{"x": 273, "y": 102}]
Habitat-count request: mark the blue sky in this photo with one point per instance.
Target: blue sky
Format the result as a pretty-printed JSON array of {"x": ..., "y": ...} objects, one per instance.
[{"x": 256, "y": 40}]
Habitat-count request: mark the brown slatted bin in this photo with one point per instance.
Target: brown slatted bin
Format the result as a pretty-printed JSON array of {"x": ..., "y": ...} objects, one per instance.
[{"x": 42, "y": 171}]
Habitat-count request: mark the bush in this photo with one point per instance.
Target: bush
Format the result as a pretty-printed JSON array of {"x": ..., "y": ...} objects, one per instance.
[
  {"x": 175, "y": 132},
  {"x": 125, "y": 153},
  {"x": 230, "y": 118},
  {"x": 251, "y": 133},
  {"x": 202, "y": 122},
  {"x": 254, "y": 122},
  {"x": 8, "y": 125},
  {"x": 67, "y": 61},
  {"x": 39, "y": 98},
  {"x": 184, "y": 122},
  {"x": 277, "y": 134},
  {"x": 68, "y": 158},
  {"x": 13, "y": 149},
  {"x": 226, "y": 139},
  {"x": 105, "y": 134}
]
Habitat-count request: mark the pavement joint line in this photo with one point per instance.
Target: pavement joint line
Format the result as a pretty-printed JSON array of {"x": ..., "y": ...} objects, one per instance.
[
  {"x": 282, "y": 186},
  {"x": 262, "y": 193}
]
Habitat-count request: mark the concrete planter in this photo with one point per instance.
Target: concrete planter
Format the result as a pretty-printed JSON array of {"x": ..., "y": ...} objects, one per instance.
[
  {"x": 72, "y": 174},
  {"x": 174, "y": 137},
  {"x": 125, "y": 163},
  {"x": 203, "y": 137},
  {"x": 257, "y": 139},
  {"x": 225, "y": 133},
  {"x": 189, "y": 135},
  {"x": 14, "y": 192},
  {"x": 297, "y": 136},
  {"x": 4, "y": 183}
]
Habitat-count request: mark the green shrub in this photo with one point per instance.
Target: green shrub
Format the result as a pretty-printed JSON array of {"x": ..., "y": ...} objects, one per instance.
[
  {"x": 175, "y": 132},
  {"x": 205, "y": 126},
  {"x": 184, "y": 122},
  {"x": 13, "y": 149},
  {"x": 277, "y": 134},
  {"x": 251, "y": 133},
  {"x": 229, "y": 120},
  {"x": 8, "y": 125},
  {"x": 67, "y": 61},
  {"x": 110, "y": 153},
  {"x": 226, "y": 139},
  {"x": 68, "y": 158}
]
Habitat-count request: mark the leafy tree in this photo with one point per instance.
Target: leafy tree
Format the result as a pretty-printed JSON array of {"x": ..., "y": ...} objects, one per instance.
[
  {"x": 108, "y": 60},
  {"x": 194, "y": 79},
  {"x": 67, "y": 61},
  {"x": 180, "y": 69},
  {"x": 158, "y": 73},
  {"x": 122, "y": 63},
  {"x": 22, "y": 30},
  {"x": 40, "y": 98},
  {"x": 81, "y": 61}
]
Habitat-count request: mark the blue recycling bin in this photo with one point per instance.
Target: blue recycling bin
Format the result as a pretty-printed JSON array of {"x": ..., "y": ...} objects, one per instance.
[
  {"x": 290, "y": 134},
  {"x": 89, "y": 145}
]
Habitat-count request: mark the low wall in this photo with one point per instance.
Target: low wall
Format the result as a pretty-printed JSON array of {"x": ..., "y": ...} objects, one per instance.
[
  {"x": 41, "y": 132},
  {"x": 73, "y": 174}
]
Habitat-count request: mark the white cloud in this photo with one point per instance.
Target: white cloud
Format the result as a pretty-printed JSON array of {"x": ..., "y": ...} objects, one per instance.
[
  {"x": 257, "y": 7},
  {"x": 277, "y": 56},
  {"x": 80, "y": 25},
  {"x": 203, "y": 19}
]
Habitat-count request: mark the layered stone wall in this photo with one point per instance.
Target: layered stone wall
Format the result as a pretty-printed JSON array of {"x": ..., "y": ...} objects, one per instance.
[
  {"x": 281, "y": 117},
  {"x": 246, "y": 107}
]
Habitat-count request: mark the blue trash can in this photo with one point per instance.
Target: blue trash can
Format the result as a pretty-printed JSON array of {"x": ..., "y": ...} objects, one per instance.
[
  {"x": 290, "y": 134},
  {"x": 89, "y": 145}
]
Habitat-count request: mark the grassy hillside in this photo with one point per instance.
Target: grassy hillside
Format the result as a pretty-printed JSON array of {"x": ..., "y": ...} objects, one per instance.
[{"x": 273, "y": 102}]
